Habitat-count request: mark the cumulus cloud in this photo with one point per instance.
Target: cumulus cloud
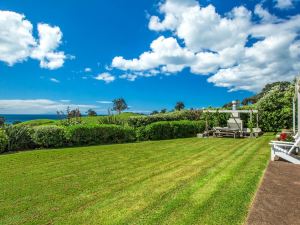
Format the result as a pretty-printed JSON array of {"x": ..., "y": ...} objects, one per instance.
[
  {"x": 284, "y": 4},
  {"x": 235, "y": 50},
  {"x": 264, "y": 14},
  {"x": 17, "y": 42},
  {"x": 164, "y": 51},
  {"x": 37, "y": 106},
  {"x": 106, "y": 77},
  {"x": 87, "y": 70}
]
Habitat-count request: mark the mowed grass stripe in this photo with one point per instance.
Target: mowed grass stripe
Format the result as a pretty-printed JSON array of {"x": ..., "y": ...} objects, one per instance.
[
  {"x": 171, "y": 205},
  {"x": 140, "y": 183},
  {"x": 118, "y": 196},
  {"x": 160, "y": 183},
  {"x": 63, "y": 196},
  {"x": 199, "y": 200}
]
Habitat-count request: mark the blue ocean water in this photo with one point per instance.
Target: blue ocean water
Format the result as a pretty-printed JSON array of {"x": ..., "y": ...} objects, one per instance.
[{"x": 11, "y": 118}]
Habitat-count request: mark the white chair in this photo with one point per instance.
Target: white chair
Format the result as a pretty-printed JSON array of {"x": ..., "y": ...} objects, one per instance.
[{"x": 285, "y": 150}]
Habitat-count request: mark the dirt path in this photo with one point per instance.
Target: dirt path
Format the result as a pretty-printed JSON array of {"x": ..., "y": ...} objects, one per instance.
[{"x": 278, "y": 198}]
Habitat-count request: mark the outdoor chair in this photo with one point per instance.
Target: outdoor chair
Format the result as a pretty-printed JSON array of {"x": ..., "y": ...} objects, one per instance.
[{"x": 285, "y": 150}]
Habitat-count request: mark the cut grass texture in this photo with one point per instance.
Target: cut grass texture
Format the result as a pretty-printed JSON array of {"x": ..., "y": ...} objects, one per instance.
[{"x": 183, "y": 181}]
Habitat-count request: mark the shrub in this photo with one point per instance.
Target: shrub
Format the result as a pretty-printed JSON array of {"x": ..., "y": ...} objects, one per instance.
[
  {"x": 49, "y": 136},
  {"x": 100, "y": 134},
  {"x": 3, "y": 141},
  {"x": 174, "y": 116},
  {"x": 275, "y": 109},
  {"x": 112, "y": 119},
  {"x": 169, "y": 130},
  {"x": 19, "y": 138}
]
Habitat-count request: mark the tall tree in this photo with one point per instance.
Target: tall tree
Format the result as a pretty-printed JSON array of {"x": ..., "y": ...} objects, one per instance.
[
  {"x": 179, "y": 106},
  {"x": 119, "y": 105}
]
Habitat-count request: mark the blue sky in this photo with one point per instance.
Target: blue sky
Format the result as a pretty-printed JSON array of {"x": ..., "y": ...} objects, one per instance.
[{"x": 100, "y": 50}]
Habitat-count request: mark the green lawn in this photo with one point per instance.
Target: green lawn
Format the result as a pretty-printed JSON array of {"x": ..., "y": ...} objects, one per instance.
[{"x": 183, "y": 181}]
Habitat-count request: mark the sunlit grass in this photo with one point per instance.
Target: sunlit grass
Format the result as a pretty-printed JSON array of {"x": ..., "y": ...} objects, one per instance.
[{"x": 184, "y": 181}]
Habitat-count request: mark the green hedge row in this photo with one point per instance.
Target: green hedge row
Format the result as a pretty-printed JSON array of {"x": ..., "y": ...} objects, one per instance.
[
  {"x": 3, "y": 141},
  {"x": 14, "y": 138},
  {"x": 169, "y": 130},
  {"x": 99, "y": 134},
  {"x": 140, "y": 121}
]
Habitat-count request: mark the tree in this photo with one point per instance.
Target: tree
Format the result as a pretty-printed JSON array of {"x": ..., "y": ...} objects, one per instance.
[
  {"x": 91, "y": 112},
  {"x": 119, "y": 105},
  {"x": 163, "y": 111},
  {"x": 179, "y": 106},
  {"x": 154, "y": 112},
  {"x": 74, "y": 113},
  {"x": 275, "y": 107}
]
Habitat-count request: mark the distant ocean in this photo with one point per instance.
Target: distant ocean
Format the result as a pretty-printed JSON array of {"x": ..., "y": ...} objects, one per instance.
[{"x": 11, "y": 118}]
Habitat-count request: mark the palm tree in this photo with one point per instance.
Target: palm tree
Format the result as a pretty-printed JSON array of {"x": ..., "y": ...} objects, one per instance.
[
  {"x": 119, "y": 105},
  {"x": 179, "y": 106}
]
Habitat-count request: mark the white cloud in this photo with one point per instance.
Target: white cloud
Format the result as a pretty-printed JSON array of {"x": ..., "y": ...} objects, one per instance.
[
  {"x": 87, "y": 70},
  {"x": 284, "y": 4},
  {"x": 106, "y": 77},
  {"x": 264, "y": 14},
  {"x": 234, "y": 50},
  {"x": 164, "y": 51},
  {"x": 54, "y": 80},
  {"x": 37, "y": 106},
  {"x": 130, "y": 77},
  {"x": 49, "y": 40},
  {"x": 17, "y": 42}
]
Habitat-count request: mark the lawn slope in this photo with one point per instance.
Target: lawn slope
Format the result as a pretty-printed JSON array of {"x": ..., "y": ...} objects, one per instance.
[{"x": 184, "y": 181}]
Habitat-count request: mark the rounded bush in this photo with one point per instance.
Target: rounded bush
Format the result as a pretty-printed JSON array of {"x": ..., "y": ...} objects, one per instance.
[
  {"x": 139, "y": 121},
  {"x": 19, "y": 138},
  {"x": 100, "y": 134},
  {"x": 172, "y": 129},
  {"x": 3, "y": 141},
  {"x": 49, "y": 136}
]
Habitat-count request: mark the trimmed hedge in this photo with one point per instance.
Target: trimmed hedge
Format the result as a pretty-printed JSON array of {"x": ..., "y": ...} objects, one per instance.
[
  {"x": 3, "y": 141},
  {"x": 100, "y": 134},
  {"x": 175, "y": 116},
  {"x": 19, "y": 138},
  {"x": 49, "y": 136},
  {"x": 170, "y": 130}
]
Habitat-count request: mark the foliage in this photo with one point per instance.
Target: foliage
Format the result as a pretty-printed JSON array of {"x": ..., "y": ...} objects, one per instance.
[
  {"x": 119, "y": 105},
  {"x": 91, "y": 112},
  {"x": 163, "y": 111},
  {"x": 99, "y": 134},
  {"x": 281, "y": 85},
  {"x": 179, "y": 106},
  {"x": 170, "y": 130},
  {"x": 178, "y": 115},
  {"x": 74, "y": 113},
  {"x": 112, "y": 119},
  {"x": 19, "y": 137},
  {"x": 3, "y": 141},
  {"x": 154, "y": 112},
  {"x": 49, "y": 136},
  {"x": 275, "y": 108}
]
